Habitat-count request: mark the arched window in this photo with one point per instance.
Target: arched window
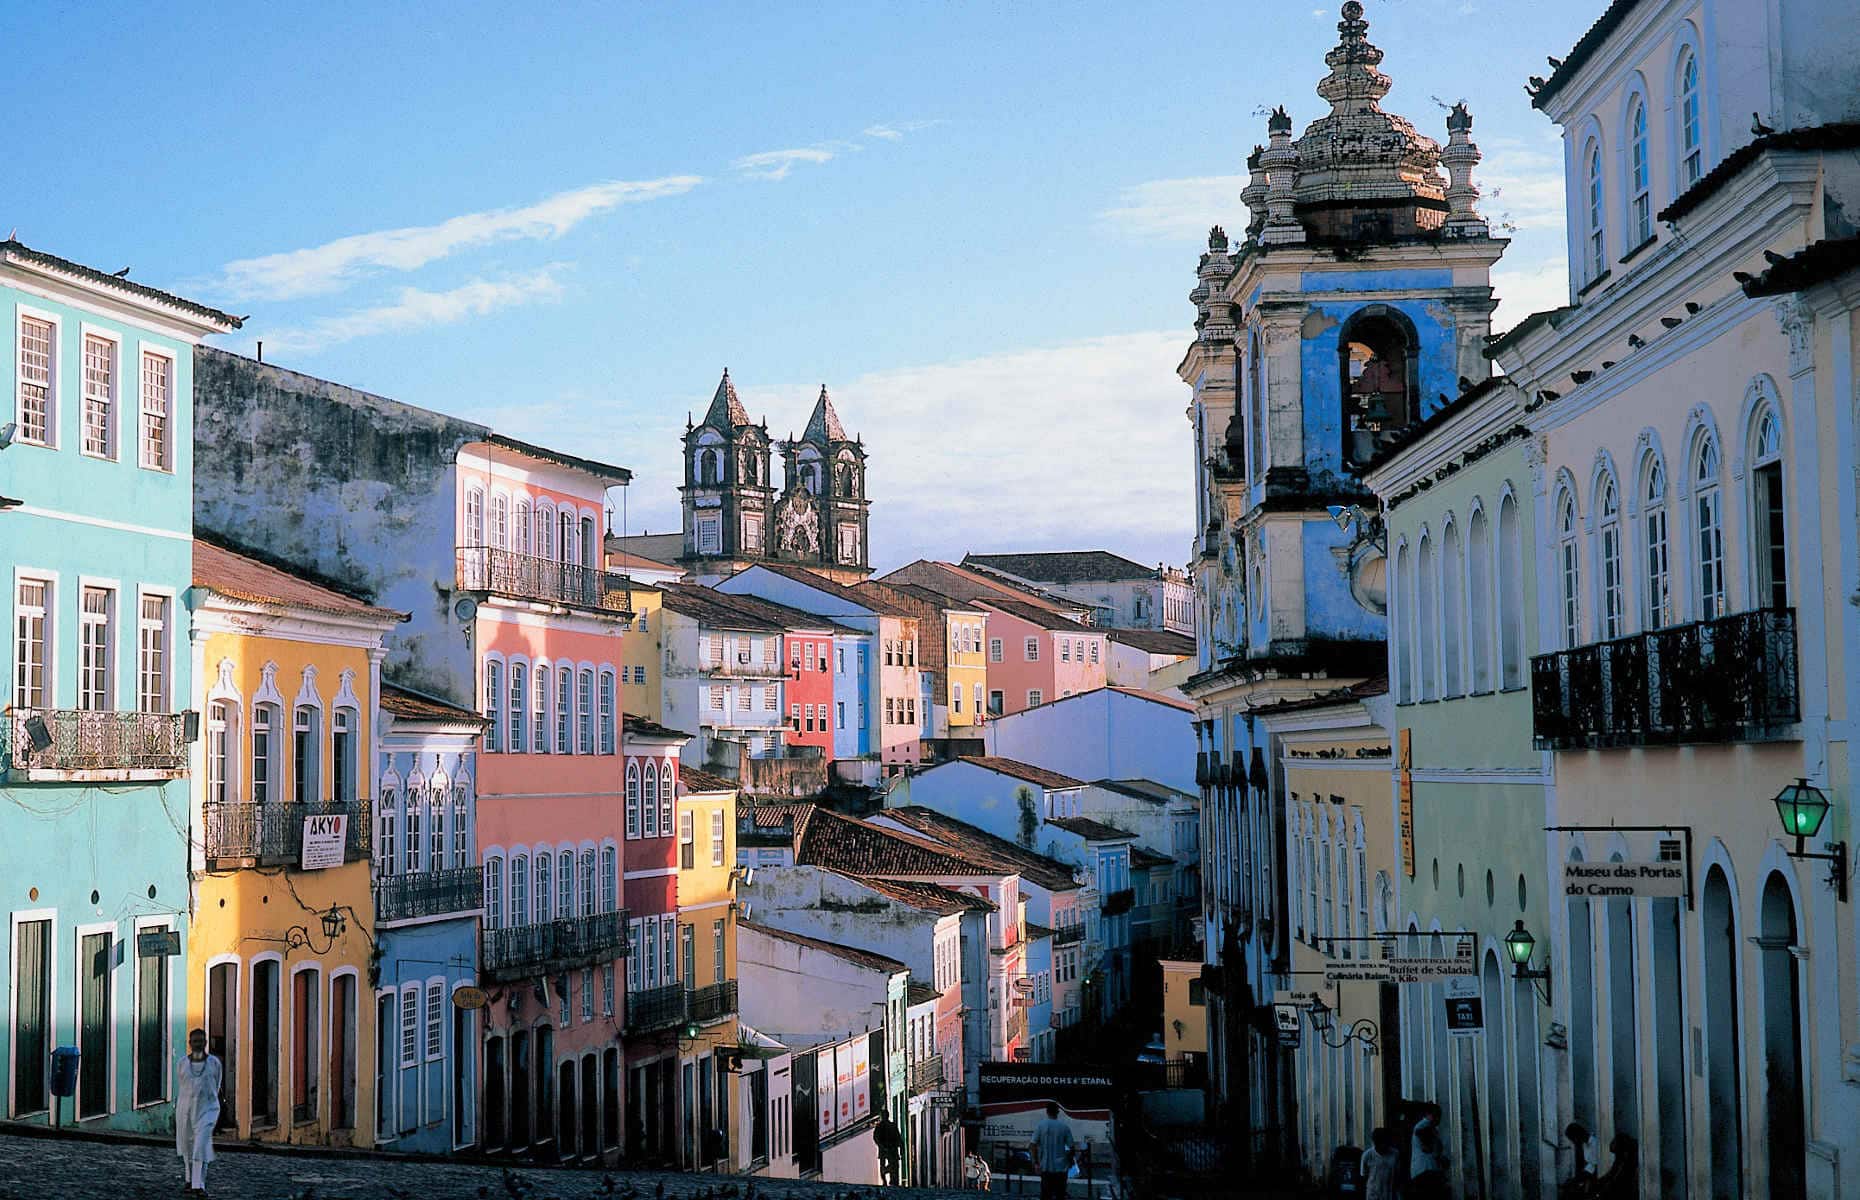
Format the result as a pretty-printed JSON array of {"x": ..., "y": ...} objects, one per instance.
[
  {"x": 1569, "y": 558},
  {"x": 1659, "y": 607},
  {"x": 584, "y": 709},
  {"x": 1708, "y": 524},
  {"x": 565, "y": 885},
  {"x": 540, "y": 742},
  {"x": 1376, "y": 369},
  {"x": 1479, "y": 647},
  {"x": 1427, "y": 620},
  {"x": 1767, "y": 506},
  {"x": 610, "y": 880},
  {"x": 668, "y": 793},
  {"x": 519, "y": 707},
  {"x": 387, "y": 817},
  {"x": 710, "y": 467},
  {"x": 1404, "y": 619},
  {"x": 632, "y": 798},
  {"x": 474, "y": 517},
  {"x": 500, "y": 521},
  {"x": 461, "y": 826},
  {"x": 1452, "y": 632},
  {"x": 523, "y": 525},
  {"x": 608, "y": 716},
  {"x": 545, "y": 529},
  {"x": 568, "y": 544},
  {"x": 1640, "y": 175},
  {"x": 1608, "y": 555},
  {"x": 587, "y": 883},
  {"x": 493, "y": 705},
  {"x": 564, "y": 709},
  {"x": 545, "y": 894},
  {"x": 267, "y": 730},
  {"x": 494, "y": 891},
  {"x": 1255, "y": 405},
  {"x": 1691, "y": 143},
  {"x": 520, "y": 889},
  {"x": 439, "y": 796},
  {"x": 414, "y": 861},
  {"x": 590, "y": 544},
  {"x": 1511, "y": 599},
  {"x": 649, "y": 807},
  {"x": 1594, "y": 251}
]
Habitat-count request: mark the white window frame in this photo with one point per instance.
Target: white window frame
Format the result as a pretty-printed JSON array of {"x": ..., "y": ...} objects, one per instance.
[
  {"x": 108, "y": 621},
  {"x": 163, "y": 646},
  {"x": 110, "y": 401},
  {"x": 145, "y": 415},
  {"x": 21, "y": 316},
  {"x": 46, "y": 613},
  {"x": 1031, "y": 650}
]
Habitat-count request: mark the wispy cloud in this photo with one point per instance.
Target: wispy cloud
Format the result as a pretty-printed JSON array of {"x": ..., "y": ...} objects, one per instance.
[
  {"x": 416, "y": 308},
  {"x": 1176, "y": 209},
  {"x": 894, "y": 131},
  {"x": 1011, "y": 439},
  {"x": 1525, "y": 288},
  {"x": 327, "y": 268},
  {"x": 776, "y": 164}
]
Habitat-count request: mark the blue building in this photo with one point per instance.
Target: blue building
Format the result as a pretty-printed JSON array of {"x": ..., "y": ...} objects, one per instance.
[
  {"x": 1355, "y": 307},
  {"x": 96, "y": 551},
  {"x": 426, "y": 921},
  {"x": 852, "y": 684}
]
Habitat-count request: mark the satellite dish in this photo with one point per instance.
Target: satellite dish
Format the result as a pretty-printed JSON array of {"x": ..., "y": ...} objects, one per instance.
[{"x": 464, "y": 608}]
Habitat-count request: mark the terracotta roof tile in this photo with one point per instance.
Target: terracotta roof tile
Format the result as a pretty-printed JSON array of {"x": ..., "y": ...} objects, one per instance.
[
  {"x": 696, "y": 780},
  {"x": 20, "y": 252},
  {"x": 959, "y": 835},
  {"x": 1813, "y": 264},
  {"x": 1143, "y": 789},
  {"x": 841, "y": 843},
  {"x": 969, "y": 584},
  {"x": 1154, "y": 641},
  {"x": 418, "y": 706},
  {"x": 640, "y": 726},
  {"x": 722, "y": 610},
  {"x": 1043, "y": 617},
  {"x": 1090, "y": 830},
  {"x": 238, "y": 577},
  {"x": 931, "y": 897},
  {"x": 1021, "y": 770},
  {"x": 875, "y": 603},
  {"x": 1063, "y": 566},
  {"x": 863, "y": 958},
  {"x": 1143, "y": 858}
]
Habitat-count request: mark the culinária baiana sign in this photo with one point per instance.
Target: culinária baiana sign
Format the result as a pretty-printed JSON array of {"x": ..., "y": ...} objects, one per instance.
[{"x": 1625, "y": 880}]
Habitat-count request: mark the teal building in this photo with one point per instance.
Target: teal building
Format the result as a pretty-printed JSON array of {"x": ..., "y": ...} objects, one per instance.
[{"x": 96, "y": 546}]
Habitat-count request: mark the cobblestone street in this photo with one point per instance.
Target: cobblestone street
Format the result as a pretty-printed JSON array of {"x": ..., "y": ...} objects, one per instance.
[{"x": 53, "y": 1168}]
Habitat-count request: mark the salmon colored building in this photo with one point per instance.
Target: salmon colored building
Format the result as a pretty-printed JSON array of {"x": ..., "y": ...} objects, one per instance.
[
  {"x": 810, "y": 688},
  {"x": 655, "y": 998}
]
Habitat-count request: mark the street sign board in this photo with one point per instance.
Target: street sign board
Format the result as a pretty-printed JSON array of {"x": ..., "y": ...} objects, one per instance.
[
  {"x": 158, "y": 943},
  {"x": 1625, "y": 880},
  {"x": 324, "y": 835},
  {"x": 1465, "y": 1008},
  {"x": 1287, "y": 1019},
  {"x": 469, "y": 997},
  {"x": 1301, "y": 999},
  {"x": 1357, "y": 970}
]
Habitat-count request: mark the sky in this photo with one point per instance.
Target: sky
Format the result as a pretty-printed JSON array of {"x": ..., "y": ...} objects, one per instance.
[{"x": 975, "y": 223}]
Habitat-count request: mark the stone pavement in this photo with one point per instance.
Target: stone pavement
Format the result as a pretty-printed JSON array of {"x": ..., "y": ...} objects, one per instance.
[{"x": 42, "y": 1167}]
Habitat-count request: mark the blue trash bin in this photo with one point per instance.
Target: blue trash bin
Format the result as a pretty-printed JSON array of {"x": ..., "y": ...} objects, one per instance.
[{"x": 65, "y": 1070}]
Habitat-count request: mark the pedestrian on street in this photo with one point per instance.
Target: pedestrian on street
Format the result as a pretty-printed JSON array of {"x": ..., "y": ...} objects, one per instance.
[
  {"x": 196, "y": 1110},
  {"x": 1581, "y": 1182},
  {"x": 1622, "y": 1179},
  {"x": 1427, "y": 1159},
  {"x": 890, "y": 1146},
  {"x": 1052, "y": 1153},
  {"x": 1378, "y": 1164}
]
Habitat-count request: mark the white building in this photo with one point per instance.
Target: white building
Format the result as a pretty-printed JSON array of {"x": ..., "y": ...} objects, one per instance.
[
  {"x": 1106, "y": 733},
  {"x": 1119, "y": 593}
]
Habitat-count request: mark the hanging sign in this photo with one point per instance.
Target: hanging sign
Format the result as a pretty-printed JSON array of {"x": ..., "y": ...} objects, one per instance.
[
  {"x": 1404, "y": 784},
  {"x": 862, "y": 1078},
  {"x": 469, "y": 998},
  {"x": 324, "y": 835},
  {"x": 1625, "y": 880},
  {"x": 1465, "y": 1009},
  {"x": 158, "y": 943},
  {"x": 1425, "y": 968},
  {"x": 1357, "y": 970},
  {"x": 1288, "y": 1020}
]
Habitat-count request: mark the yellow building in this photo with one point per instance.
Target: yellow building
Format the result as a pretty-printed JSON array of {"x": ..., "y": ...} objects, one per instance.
[
  {"x": 1185, "y": 1011},
  {"x": 707, "y": 944},
  {"x": 287, "y": 673},
  {"x": 640, "y": 654},
  {"x": 966, "y": 632}
]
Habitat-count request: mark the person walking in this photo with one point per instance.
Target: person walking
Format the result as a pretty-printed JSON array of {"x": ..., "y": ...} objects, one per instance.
[
  {"x": 890, "y": 1147},
  {"x": 1427, "y": 1158},
  {"x": 196, "y": 1110},
  {"x": 1052, "y": 1153},
  {"x": 1377, "y": 1166},
  {"x": 1622, "y": 1179},
  {"x": 1581, "y": 1182}
]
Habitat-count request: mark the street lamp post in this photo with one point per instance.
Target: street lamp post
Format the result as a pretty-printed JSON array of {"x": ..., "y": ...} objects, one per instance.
[
  {"x": 1520, "y": 945},
  {"x": 1803, "y": 807}
]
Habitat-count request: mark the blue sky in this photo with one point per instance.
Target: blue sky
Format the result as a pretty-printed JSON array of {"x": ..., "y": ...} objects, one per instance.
[{"x": 976, "y": 223}]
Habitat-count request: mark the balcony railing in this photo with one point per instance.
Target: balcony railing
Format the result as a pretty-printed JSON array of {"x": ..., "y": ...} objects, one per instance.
[
  {"x": 428, "y": 893},
  {"x": 529, "y": 577},
  {"x": 58, "y": 743},
  {"x": 526, "y": 951},
  {"x": 1727, "y": 680},
  {"x": 712, "y": 1002},
  {"x": 926, "y": 1075},
  {"x": 655, "y": 1008},
  {"x": 246, "y": 834},
  {"x": 1067, "y": 935},
  {"x": 753, "y": 669},
  {"x": 1117, "y": 903}
]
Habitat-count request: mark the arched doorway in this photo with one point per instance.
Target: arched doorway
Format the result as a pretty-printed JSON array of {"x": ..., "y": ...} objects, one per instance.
[
  {"x": 1669, "y": 1033},
  {"x": 1582, "y": 1013},
  {"x": 1782, "y": 1040},
  {"x": 1623, "y": 1019},
  {"x": 1723, "y": 1047},
  {"x": 1377, "y": 370},
  {"x": 1497, "y": 1092}
]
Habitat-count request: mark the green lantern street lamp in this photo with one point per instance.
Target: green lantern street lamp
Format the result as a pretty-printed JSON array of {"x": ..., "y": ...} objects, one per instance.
[
  {"x": 1803, "y": 807},
  {"x": 1323, "y": 1018},
  {"x": 1520, "y": 945}
]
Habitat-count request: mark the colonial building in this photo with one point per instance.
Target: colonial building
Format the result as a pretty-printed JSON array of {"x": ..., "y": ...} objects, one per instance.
[
  {"x": 734, "y": 516},
  {"x": 1692, "y": 417},
  {"x": 97, "y": 458},
  {"x": 314, "y": 1040},
  {"x": 1121, "y": 594},
  {"x": 1355, "y": 305}
]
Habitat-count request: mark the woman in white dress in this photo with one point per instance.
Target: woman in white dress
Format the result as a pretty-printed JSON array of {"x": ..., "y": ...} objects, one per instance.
[{"x": 196, "y": 1110}]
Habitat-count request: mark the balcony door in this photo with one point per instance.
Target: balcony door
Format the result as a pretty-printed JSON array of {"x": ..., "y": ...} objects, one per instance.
[
  {"x": 95, "y": 951},
  {"x": 223, "y": 1037}
]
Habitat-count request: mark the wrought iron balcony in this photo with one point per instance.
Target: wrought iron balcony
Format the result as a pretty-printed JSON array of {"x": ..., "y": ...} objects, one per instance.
[
  {"x": 529, "y": 577},
  {"x": 1117, "y": 903},
  {"x": 526, "y": 951},
  {"x": 240, "y": 833},
  {"x": 428, "y": 893},
  {"x": 655, "y": 1008},
  {"x": 712, "y": 1002},
  {"x": 68, "y": 744},
  {"x": 1728, "y": 680},
  {"x": 1068, "y": 934},
  {"x": 755, "y": 668},
  {"x": 926, "y": 1075}
]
